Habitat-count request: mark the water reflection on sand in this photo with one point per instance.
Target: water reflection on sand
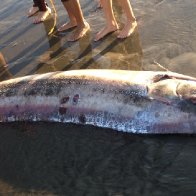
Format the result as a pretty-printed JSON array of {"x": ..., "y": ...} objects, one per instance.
[{"x": 30, "y": 49}]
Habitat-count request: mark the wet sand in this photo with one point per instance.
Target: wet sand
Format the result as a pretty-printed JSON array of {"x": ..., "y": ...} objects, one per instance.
[
  {"x": 165, "y": 34},
  {"x": 58, "y": 159},
  {"x": 85, "y": 160},
  {"x": 29, "y": 49}
]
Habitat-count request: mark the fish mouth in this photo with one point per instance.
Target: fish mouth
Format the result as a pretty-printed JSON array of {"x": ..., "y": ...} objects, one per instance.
[
  {"x": 175, "y": 128},
  {"x": 186, "y": 90}
]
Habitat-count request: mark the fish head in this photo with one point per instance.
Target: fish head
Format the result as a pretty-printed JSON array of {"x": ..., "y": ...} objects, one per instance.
[
  {"x": 173, "y": 90},
  {"x": 164, "y": 91},
  {"x": 175, "y": 105}
]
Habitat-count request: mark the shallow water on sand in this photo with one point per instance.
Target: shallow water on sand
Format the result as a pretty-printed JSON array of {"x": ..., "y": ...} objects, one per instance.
[{"x": 56, "y": 159}]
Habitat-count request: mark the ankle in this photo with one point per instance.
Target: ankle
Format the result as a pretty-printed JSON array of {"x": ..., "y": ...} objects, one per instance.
[
  {"x": 131, "y": 20},
  {"x": 82, "y": 24},
  {"x": 113, "y": 24},
  {"x": 73, "y": 22}
]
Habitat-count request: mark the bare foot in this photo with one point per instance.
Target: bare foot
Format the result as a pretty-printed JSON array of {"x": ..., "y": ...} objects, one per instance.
[
  {"x": 32, "y": 11},
  {"x": 105, "y": 31},
  {"x": 42, "y": 15},
  {"x": 67, "y": 26},
  {"x": 80, "y": 31},
  {"x": 127, "y": 30}
]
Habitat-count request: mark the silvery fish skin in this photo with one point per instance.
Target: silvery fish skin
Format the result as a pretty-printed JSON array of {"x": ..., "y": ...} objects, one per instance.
[{"x": 128, "y": 101}]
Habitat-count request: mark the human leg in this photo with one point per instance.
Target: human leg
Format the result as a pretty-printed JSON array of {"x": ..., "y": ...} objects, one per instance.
[
  {"x": 111, "y": 24},
  {"x": 72, "y": 20},
  {"x": 2, "y": 61},
  {"x": 131, "y": 23},
  {"x": 82, "y": 25}
]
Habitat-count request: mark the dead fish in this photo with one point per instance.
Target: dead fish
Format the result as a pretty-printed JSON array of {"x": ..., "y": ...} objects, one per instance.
[{"x": 130, "y": 101}]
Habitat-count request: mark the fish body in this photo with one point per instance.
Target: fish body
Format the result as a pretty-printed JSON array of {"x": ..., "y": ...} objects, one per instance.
[{"x": 128, "y": 101}]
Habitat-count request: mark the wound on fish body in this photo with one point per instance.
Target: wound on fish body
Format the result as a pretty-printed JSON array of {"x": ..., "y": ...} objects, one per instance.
[
  {"x": 64, "y": 100},
  {"x": 76, "y": 99}
]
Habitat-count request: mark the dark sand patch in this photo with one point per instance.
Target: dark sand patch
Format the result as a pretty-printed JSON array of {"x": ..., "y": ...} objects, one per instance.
[{"x": 66, "y": 159}]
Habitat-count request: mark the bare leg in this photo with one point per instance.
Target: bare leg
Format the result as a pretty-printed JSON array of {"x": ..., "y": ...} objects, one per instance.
[
  {"x": 2, "y": 61},
  {"x": 72, "y": 20},
  {"x": 131, "y": 23},
  {"x": 82, "y": 25},
  {"x": 4, "y": 71},
  {"x": 111, "y": 24}
]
